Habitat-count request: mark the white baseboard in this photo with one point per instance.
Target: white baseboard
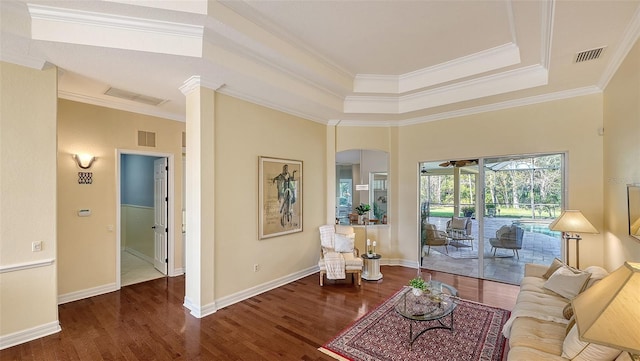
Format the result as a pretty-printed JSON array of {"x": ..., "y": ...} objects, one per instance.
[
  {"x": 30, "y": 334},
  {"x": 256, "y": 290},
  {"x": 139, "y": 254},
  {"x": 86, "y": 293},
  {"x": 176, "y": 272},
  {"x": 199, "y": 311}
]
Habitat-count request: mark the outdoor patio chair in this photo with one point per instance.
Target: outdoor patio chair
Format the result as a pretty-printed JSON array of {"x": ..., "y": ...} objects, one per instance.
[
  {"x": 508, "y": 237},
  {"x": 433, "y": 237},
  {"x": 459, "y": 224}
]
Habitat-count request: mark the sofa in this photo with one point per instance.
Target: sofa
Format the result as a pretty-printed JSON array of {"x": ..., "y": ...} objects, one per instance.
[{"x": 541, "y": 325}]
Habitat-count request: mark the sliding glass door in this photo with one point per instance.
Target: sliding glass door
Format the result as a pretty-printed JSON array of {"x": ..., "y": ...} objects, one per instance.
[{"x": 493, "y": 212}]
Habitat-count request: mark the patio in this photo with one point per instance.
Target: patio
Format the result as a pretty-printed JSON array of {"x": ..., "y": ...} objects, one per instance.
[{"x": 537, "y": 247}]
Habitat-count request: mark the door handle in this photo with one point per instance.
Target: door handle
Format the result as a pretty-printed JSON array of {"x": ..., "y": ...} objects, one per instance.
[{"x": 154, "y": 227}]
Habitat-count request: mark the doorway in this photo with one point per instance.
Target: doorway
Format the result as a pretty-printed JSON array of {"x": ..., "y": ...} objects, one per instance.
[{"x": 144, "y": 250}]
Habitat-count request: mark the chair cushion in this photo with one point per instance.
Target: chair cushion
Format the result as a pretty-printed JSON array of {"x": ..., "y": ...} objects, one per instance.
[
  {"x": 458, "y": 223},
  {"x": 351, "y": 262}
]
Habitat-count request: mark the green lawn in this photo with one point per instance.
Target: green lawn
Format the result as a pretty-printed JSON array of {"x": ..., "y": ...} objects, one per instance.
[{"x": 502, "y": 212}]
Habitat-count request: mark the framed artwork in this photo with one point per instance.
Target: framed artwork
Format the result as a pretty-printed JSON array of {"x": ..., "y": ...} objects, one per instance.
[
  {"x": 633, "y": 203},
  {"x": 280, "y": 197}
]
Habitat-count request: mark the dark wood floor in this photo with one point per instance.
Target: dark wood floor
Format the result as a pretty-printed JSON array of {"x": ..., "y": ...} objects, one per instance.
[{"x": 148, "y": 322}]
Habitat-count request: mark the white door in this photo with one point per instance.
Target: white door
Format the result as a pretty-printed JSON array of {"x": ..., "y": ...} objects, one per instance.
[{"x": 160, "y": 201}]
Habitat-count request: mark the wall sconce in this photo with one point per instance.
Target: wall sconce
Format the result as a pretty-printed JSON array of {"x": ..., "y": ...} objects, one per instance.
[{"x": 84, "y": 161}]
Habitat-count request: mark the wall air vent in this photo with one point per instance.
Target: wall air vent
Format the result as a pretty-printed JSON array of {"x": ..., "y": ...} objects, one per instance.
[
  {"x": 146, "y": 139},
  {"x": 587, "y": 55},
  {"x": 124, "y": 94}
]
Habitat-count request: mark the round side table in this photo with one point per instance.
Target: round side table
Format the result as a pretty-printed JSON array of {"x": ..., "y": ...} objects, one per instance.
[{"x": 371, "y": 270}]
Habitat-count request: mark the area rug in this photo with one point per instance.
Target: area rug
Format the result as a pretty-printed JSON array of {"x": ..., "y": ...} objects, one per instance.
[{"x": 383, "y": 334}]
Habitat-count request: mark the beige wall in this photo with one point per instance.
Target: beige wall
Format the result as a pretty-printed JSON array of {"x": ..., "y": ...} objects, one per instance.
[
  {"x": 621, "y": 158},
  {"x": 560, "y": 126},
  {"x": 28, "y": 298},
  {"x": 136, "y": 233},
  {"x": 243, "y": 132},
  {"x": 87, "y": 245}
]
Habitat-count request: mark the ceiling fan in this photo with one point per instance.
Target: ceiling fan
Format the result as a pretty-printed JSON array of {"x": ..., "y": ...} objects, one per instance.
[{"x": 459, "y": 163}]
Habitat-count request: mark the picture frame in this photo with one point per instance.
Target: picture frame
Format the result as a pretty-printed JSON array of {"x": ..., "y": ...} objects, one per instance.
[{"x": 279, "y": 196}]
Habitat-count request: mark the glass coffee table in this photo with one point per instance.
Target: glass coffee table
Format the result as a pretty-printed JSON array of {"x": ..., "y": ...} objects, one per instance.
[{"x": 432, "y": 307}]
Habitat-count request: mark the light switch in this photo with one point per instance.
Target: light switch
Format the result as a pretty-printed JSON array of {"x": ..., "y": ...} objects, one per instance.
[{"x": 36, "y": 246}]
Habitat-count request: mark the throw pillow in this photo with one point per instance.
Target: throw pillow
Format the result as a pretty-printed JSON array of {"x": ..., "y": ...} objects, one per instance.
[
  {"x": 576, "y": 350},
  {"x": 567, "y": 312},
  {"x": 552, "y": 268},
  {"x": 344, "y": 243},
  {"x": 566, "y": 283},
  {"x": 597, "y": 273}
]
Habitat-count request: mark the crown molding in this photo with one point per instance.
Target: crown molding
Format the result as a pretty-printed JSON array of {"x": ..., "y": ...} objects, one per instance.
[
  {"x": 271, "y": 105},
  {"x": 566, "y": 94},
  {"x": 120, "y": 106},
  {"x": 631, "y": 35},
  {"x": 99, "y": 29},
  {"x": 22, "y": 59},
  {"x": 196, "y": 81},
  {"x": 547, "y": 10},
  {"x": 487, "y": 60},
  {"x": 518, "y": 79}
]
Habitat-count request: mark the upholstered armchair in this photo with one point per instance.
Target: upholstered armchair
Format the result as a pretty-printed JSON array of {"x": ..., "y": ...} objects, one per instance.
[
  {"x": 508, "y": 237},
  {"x": 459, "y": 224},
  {"x": 434, "y": 237},
  {"x": 338, "y": 256}
]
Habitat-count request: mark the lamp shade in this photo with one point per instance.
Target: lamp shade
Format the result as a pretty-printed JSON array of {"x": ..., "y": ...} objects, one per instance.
[
  {"x": 573, "y": 222},
  {"x": 608, "y": 313}
]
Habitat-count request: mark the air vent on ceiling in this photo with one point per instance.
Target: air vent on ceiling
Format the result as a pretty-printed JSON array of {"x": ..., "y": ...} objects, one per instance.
[
  {"x": 590, "y": 54},
  {"x": 146, "y": 139},
  {"x": 124, "y": 94}
]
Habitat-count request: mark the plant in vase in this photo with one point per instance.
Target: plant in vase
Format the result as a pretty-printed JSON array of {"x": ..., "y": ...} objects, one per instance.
[
  {"x": 362, "y": 209},
  {"x": 418, "y": 286}
]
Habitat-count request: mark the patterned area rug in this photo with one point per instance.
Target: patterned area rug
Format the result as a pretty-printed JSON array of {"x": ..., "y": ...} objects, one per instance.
[{"x": 383, "y": 334}]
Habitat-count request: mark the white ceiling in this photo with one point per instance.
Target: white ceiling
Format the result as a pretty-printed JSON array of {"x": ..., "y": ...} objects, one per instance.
[{"x": 354, "y": 62}]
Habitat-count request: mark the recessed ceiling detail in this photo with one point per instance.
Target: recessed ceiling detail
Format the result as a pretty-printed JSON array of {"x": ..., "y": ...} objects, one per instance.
[
  {"x": 106, "y": 30},
  {"x": 504, "y": 82},
  {"x": 491, "y": 59}
]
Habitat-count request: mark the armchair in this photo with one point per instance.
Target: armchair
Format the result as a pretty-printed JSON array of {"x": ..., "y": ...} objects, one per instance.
[
  {"x": 459, "y": 224},
  {"x": 338, "y": 256},
  {"x": 433, "y": 237},
  {"x": 508, "y": 237}
]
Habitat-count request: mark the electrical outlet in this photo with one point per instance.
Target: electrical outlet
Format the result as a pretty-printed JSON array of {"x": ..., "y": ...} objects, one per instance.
[
  {"x": 256, "y": 267},
  {"x": 36, "y": 246}
]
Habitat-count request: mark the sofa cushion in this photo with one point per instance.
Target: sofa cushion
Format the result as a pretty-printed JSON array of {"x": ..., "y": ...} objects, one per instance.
[
  {"x": 566, "y": 282},
  {"x": 546, "y": 336},
  {"x": 531, "y": 354},
  {"x": 576, "y": 350}
]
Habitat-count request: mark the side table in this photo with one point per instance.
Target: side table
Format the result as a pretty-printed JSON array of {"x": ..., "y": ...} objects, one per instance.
[{"x": 371, "y": 270}]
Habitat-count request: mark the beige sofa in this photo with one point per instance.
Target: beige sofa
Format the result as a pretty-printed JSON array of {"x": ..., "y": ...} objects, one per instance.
[{"x": 541, "y": 327}]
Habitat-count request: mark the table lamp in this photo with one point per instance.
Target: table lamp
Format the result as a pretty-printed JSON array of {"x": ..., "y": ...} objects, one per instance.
[
  {"x": 608, "y": 313},
  {"x": 571, "y": 223}
]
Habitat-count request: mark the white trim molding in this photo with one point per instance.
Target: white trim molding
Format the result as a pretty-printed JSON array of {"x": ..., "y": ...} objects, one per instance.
[
  {"x": 199, "y": 312},
  {"x": 197, "y": 81},
  {"x": 27, "y": 265},
  {"x": 30, "y": 334},
  {"x": 86, "y": 293},
  {"x": 100, "y": 29},
  {"x": 256, "y": 290}
]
